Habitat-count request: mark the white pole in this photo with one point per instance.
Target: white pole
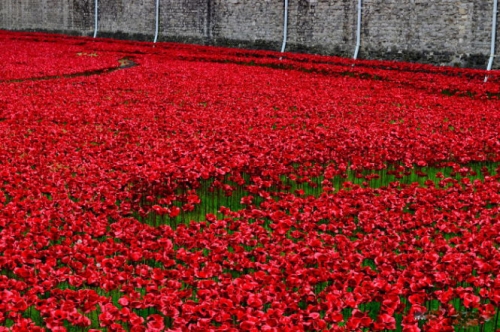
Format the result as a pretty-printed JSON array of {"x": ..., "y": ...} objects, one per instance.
[
  {"x": 358, "y": 31},
  {"x": 285, "y": 27},
  {"x": 157, "y": 20},
  {"x": 493, "y": 36},
  {"x": 96, "y": 8}
]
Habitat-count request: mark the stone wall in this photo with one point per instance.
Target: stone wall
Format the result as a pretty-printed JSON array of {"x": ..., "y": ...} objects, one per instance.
[
  {"x": 185, "y": 20},
  {"x": 129, "y": 17},
  {"x": 69, "y": 16},
  {"x": 452, "y": 32},
  {"x": 445, "y": 31}
]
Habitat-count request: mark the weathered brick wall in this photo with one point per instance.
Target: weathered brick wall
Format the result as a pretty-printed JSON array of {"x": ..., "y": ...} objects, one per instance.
[
  {"x": 184, "y": 20},
  {"x": 445, "y": 31},
  {"x": 455, "y": 32},
  {"x": 258, "y": 22},
  {"x": 70, "y": 16},
  {"x": 128, "y": 17},
  {"x": 316, "y": 24}
]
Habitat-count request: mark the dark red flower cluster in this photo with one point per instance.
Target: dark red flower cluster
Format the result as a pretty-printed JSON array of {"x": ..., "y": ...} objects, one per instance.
[{"x": 217, "y": 189}]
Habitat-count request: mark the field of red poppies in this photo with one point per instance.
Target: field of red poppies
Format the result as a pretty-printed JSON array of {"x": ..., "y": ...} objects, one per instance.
[{"x": 190, "y": 188}]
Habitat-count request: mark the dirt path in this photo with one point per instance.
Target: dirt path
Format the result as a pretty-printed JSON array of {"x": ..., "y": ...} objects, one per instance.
[{"x": 124, "y": 63}]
